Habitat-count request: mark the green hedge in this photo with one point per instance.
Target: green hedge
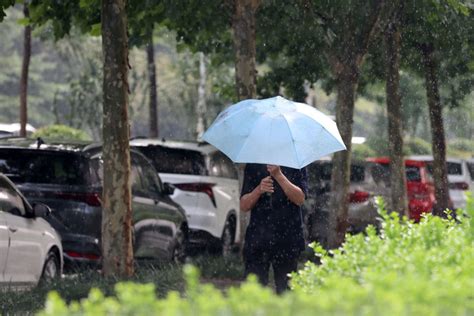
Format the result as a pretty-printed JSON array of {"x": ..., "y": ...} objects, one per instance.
[
  {"x": 407, "y": 269},
  {"x": 61, "y": 132}
]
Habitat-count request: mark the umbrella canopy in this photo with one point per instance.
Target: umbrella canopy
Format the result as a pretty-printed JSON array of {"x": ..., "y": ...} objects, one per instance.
[{"x": 274, "y": 131}]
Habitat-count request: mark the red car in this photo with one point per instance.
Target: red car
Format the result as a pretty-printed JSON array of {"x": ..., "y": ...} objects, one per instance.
[{"x": 420, "y": 187}]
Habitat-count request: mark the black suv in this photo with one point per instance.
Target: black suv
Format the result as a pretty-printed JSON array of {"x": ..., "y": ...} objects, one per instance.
[{"x": 68, "y": 178}]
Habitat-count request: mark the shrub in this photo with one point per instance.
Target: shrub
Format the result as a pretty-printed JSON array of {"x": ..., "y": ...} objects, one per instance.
[
  {"x": 419, "y": 269},
  {"x": 61, "y": 132},
  {"x": 417, "y": 146}
]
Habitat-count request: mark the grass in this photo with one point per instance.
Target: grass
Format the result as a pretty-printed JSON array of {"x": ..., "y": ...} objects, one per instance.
[{"x": 220, "y": 271}]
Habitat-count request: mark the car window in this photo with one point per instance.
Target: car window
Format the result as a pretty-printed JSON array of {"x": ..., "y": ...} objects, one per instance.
[
  {"x": 150, "y": 180},
  {"x": 10, "y": 200},
  {"x": 357, "y": 173},
  {"x": 173, "y": 160},
  {"x": 454, "y": 168},
  {"x": 321, "y": 171},
  {"x": 413, "y": 174},
  {"x": 221, "y": 166},
  {"x": 45, "y": 167},
  {"x": 470, "y": 167},
  {"x": 380, "y": 173}
]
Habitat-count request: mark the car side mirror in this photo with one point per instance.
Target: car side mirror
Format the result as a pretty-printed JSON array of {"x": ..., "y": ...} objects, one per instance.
[
  {"x": 41, "y": 210},
  {"x": 168, "y": 188}
]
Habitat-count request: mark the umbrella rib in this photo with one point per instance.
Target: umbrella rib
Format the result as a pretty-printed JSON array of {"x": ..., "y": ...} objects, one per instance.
[{"x": 292, "y": 138}]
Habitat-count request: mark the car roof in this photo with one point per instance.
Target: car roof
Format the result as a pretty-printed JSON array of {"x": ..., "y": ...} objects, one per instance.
[
  {"x": 202, "y": 147},
  {"x": 87, "y": 148},
  {"x": 430, "y": 158},
  {"x": 408, "y": 162}
]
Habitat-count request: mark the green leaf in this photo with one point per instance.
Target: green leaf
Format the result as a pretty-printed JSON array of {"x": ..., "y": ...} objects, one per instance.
[
  {"x": 24, "y": 21},
  {"x": 96, "y": 29}
]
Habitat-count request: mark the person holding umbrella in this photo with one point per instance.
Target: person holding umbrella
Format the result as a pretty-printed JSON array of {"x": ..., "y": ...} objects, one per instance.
[
  {"x": 276, "y": 138},
  {"x": 274, "y": 237}
]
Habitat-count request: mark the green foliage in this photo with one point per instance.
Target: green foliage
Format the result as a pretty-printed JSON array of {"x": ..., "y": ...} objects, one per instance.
[
  {"x": 5, "y": 4},
  {"x": 77, "y": 286},
  {"x": 462, "y": 144},
  {"x": 417, "y": 146},
  {"x": 61, "y": 132},
  {"x": 424, "y": 268},
  {"x": 407, "y": 269},
  {"x": 362, "y": 151}
]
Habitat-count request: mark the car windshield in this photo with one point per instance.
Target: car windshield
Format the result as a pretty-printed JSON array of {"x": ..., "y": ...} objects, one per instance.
[
  {"x": 381, "y": 172},
  {"x": 25, "y": 166},
  {"x": 173, "y": 160}
]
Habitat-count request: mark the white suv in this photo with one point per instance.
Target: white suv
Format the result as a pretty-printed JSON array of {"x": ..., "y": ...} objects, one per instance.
[{"x": 206, "y": 187}]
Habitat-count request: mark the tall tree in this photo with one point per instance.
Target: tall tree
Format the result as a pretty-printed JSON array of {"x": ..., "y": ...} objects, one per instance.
[
  {"x": 243, "y": 26},
  {"x": 392, "y": 34},
  {"x": 439, "y": 46},
  {"x": 353, "y": 27},
  {"x": 201, "y": 106},
  {"x": 117, "y": 249},
  {"x": 24, "y": 73},
  {"x": 153, "y": 102}
]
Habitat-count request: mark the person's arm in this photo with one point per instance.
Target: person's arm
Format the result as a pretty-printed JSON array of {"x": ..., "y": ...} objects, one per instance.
[
  {"x": 294, "y": 193},
  {"x": 248, "y": 201}
]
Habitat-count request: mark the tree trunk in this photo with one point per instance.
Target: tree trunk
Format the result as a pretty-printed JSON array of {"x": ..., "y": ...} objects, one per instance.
[
  {"x": 154, "y": 132},
  {"x": 201, "y": 107},
  {"x": 243, "y": 25},
  {"x": 116, "y": 215},
  {"x": 340, "y": 178},
  {"x": 24, "y": 74},
  {"x": 244, "y": 37},
  {"x": 438, "y": 142},
  {"x": 399, "y": 201}
]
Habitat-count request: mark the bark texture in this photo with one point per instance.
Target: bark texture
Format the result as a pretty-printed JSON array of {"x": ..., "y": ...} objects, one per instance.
[
  {"x": 340, "y": 179},
  {"x": 154, "y": 131},
  {"x": 201, "y": 107},
  {"x": 24, "y": 74},
  {"x": 244, "y": 37},
  {"x": 399, "y": 201},
  {"x": 243, "y": 26},
  {"x": 438, "y": 141},
  {"x": 116, "y": 215}
]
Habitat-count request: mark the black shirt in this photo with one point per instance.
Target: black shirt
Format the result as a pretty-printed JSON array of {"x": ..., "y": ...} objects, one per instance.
[{"x": 276, "y": 223}]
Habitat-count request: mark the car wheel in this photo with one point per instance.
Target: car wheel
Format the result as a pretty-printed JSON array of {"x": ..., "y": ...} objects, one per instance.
[
  {"x": 227, "y": 242},
  {"x": 179, "y": 250},
  {"x": 51, "y": 268}
]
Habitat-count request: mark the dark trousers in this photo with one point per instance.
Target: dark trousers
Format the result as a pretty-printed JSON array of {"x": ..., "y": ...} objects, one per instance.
[{"x": 259, "y": 263}]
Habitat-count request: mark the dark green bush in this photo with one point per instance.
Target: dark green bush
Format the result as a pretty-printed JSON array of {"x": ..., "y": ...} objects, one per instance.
[
  {"x": 407, "y": 269},
  {"x": 61, "y": 132}
]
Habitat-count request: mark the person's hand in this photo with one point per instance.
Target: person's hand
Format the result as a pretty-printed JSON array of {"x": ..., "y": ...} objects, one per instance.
[
  {"x": 274, "y": 171},
  {"x": 266, "y": 185}
]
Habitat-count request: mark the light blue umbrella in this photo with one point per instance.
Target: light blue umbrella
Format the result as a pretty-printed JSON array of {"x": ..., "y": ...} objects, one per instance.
[{"x": 274, "y": 131}]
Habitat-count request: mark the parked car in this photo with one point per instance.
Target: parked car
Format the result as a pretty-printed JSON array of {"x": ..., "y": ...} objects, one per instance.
[
  {"x": 206, "y": 187},
  {"x": 68, "y": 178},
  {"x": 420, "y": 186},
  {"x": 460, "y": 180},
  {"x": 362, "y": 209},
  {"x": 30, "y": 249}
]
